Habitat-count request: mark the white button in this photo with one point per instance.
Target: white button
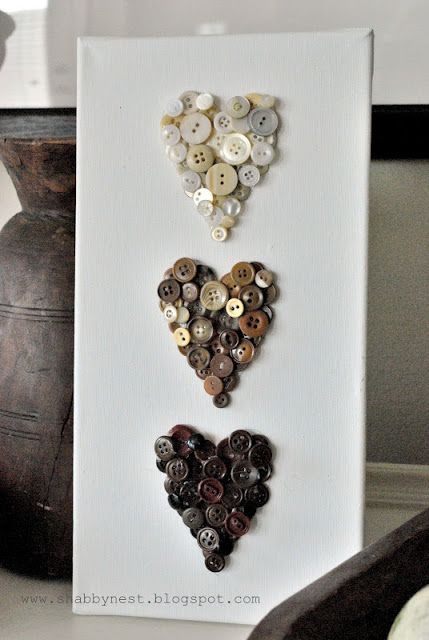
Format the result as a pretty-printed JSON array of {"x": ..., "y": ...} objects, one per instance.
[
  {"x": 191, "y": 181},
  {"x": 177, "y": 153},
  {"x": 238, "y": 107},
  {"x": 170, "y": 134},
  {"x": 263, "y": 122},
  {"x": 262, "y": 153},
  {"x": 170, "y": 313},
  {"x": 248, "y": 175},
  {"x": 241, "y": 125},
  {"x": 195, "y": 128},
  {"x": 231, "y": 207},
  {"x": 189, "y": 99},
  {"x": 202, "y": 194},
  {"x": 182, "y": 315},
  {"x": 205, "y": 101},
  {"x": 267, "y": 102},
  {"x": 205, "y": 208},
  {"x": 174, "y": 108},
  {"x": 215, "y": 142},
  {"x": 215, "y": 217},
  {"x": 253, "y": 137},
  {"x": 223, "y": 122},
  {"x": 219, "y": 233},
  {"x": 235, "y": 148},
  {"x": 227, "y": 222}
]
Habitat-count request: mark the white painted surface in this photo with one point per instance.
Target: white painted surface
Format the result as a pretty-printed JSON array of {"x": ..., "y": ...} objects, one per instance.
[{"x": 305, "y": 392}]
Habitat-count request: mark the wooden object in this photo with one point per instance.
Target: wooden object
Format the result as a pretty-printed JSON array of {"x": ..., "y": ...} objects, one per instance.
[
  {"x": 36, "y": 345},
  {"x": 359, "y": 599}
]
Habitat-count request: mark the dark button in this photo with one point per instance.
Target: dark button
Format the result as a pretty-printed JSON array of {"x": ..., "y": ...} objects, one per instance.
[
  {"x": 237, "y": 524},
  {"x": 244, "y": 352},
  {"x": 254, "y": 323},
  {"x": 217, "y": 347},
  {"x": 221, "y": 400},
  {"x": 208, "y": 538},
  {"x": 269, "y": 312},
  {"x": 247, "y": 508},
  {"x": 210, "y": 490},
  {"x": 198, "y": 358},
  {"x": 216, "y": 515},
  {"x": 226, "y": 543},
  {"x": 194, "y": 532},
  {"x": 203, "y": 373},
  {"x": 252, "y": 297},
  {"x": 215, "y": 468},
  {"x": 215, "y": 562},
  {"x": 244, "y": 474},
  {"x": 164, "y": 448},
  {"x": 190, "y": 292},
  {"x": 196, "y": 441},
  {"x": 184, "y": 269},
  {"x": 180, "y": 435},
  {"x": 193, "y": 517},
  {"x": 270, "y": 294},
  {"x": 204, "y": 274},
  {"x": 224, "y": 451},
  {"x": 170, "y": 485},
  {"x": 260, "y": 455},
  {"x": 240, "y": 441},
  {"x": 227, "y": 322},
  {"x": 161, "y": 464},
  {"x": 232, "y": 496},
  {"x": 169, "y": 290},
  {"x": 258, "y": 438},
  {"x": 257, "y": 495},
  {"x": 195, "y": 468},
  {"x": 196, "y": 308},
  {"x": 174, "y": 501},
  {"x": 177, "y": 469},
  {"x": 265, "y": 472},
  {"x": 189, "y": 495},
  {"x": 229, "y": 339},
  {"x": 230, "y": 382},
  {"x": 206, "y": 451},
  {"x": 221, "y": 365}
]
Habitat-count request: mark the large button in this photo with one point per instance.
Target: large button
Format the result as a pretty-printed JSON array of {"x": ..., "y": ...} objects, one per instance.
[
  {"x": 264, "y": 278},
  {"x": 214, "y": 562},
  {"x": 193, "y": 517},
  {"x": 195, "y": 128},
  {"x": 262, "y": 121},
  {"x": 216, "y": 514},
  {"x": 184, "y": 269},
  {"x": 221, "y": 179},
  {"x": 238, "y": 107},
  {"x": 215, "y": 468},
  {"x": 249, "y": 175},
  {"x": 214, "y": 295},
  {"x": 190, "y": 292},
  {"x": 243, "y": 474},
  {"x": 177, "y": 152},
  {"x": 170, "y": 135},
  {"x": 240, "y": 441},
  {"x": 234, "y": 307},
  {"x": 237, "y": 524},
  {"x": 205, "y": 101},
  {"x": 208, "y": 538},
  {"x": 201, "y": 330},
  {"x": 200, "y": 158},
  {"x": 244, "y": 352},
  {"x": 164, "y": 448},
  {"x": 262, "y": 153},
  {"x": 258, "y": 495},
  {"x": 177, "y": 469},
  {"x": 213, "y": 385},
  {"x": 191, "y": 181},
  {"x": 182, "y": 337},
  {"x": 189, "y": 100},
  {"x": 221, "y": 365},
  {"x": 252, "y": 297},
  {"x": 180, "y": 435},
  {"x": 222, "y": 122},
  {"x": 198, "y": 358},
  {"x": 254, "y": 323},
  {"x": 243, "y": 273},
  {"x": 235, "y": 148},
  {"x": 210, "y": 490},
  {"x": 169, "y": 290}
]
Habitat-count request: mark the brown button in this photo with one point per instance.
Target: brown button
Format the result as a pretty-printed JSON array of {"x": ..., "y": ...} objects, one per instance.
[
  {"x": 216, "y": 514},
  {"x": 221, "y": 400},
  {"x": 198, "y": 358},
  {"x": 252, "y": 297},
  {"x": 254, "y": 323},
  {"x": 258, "y": 495},
  {"x": 243, "y": 474},
  {"x": 170, "y": 485},
  {"x": 230, "y": 382},
  {"x": 229, "y": 339},
  {"x": 214, "y": 562},
  {"x": 180, "y": 435},
  {"x": 224, "y": 450},
  {"x": 184, "y": 269},
  {"x": 217, "y": 347},
  {"x": 260, "y": 455},
  {"x": 203, "y": 373},
  {"x": 188, "y": 492},
  {"x": 240, "y": 441},
  {"x": 205, "y": 451},
  {"x": 169, "y": 290},
  {"x": 244, "y": 352},
  {"x": 201, "y": 329},
  {"x": 237, "y": 524},
  {"x": 213, "y": 385},
  {"x": 232, "y": 496},
  {"x": 177, "y": 469},
  {"x": 243, "y": 273},
  {"x": 221, "y": 365},
  {"x": 233, "y": 287},
  {"x": 215, "y": 468},
  {"x": 208, "y": 538},
  {"x": 270, "y": 294},
  {"x": 190, "y": 291},
  {"x": 210, "y": 490}
]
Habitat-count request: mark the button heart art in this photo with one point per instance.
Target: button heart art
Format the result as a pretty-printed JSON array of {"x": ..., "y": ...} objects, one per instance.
[
  {"x": 220, "y": 150},
  {"x": 215, "y": 489},
  {"x": 217, "y": 324}
]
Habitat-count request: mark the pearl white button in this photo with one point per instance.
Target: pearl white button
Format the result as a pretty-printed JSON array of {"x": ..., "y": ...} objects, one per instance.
[
  {"x": 189, "y": 99},
  {"x": 219, "y": 233},
  {"x": 235, "y": 148},
  {"x": 191, "y": 181},
  {"x": 262, "y": 153},
  {"x": 238, "y": 107},
  {"x": 215, "y": 217},
  {"x": 241, "y": 125},
  {"x": 215, "y": 142},
  {"x": 222, "y": 122},
  {"x": 267, "y": 102},
  {"x": 202, "y": 194},
  {"x": 174, "y": 108},
  {"x": 205, "y": 208},
  {"x": 177, "y": 153},
  {"x": 195, "y": 128},
  {"x": 227, "y": 222},
  {"x": 170, "y": 313},
  {"x": 231, "y": 207},
  {"x": 263, "y": 122},
  {"x": 170, "y": 134},
  {"x": 205, "y": 101},
  {"x": 248, "y": 175}
]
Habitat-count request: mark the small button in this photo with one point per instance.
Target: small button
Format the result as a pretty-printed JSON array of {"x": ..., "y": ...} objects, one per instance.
[
  {"x": 234, "y": 307},
  {"x": 222, "y": 122},
  {"x": 205, "y": 101},
  {"x": 206, "y": 451},
  {"x": 219, "y": 233},
  {"x": 160, "y": 465},
  {"x": 169, "y": 290},
  {"x": 236, "y": 148},
  {"x": 262, "y": 153},
  {"x": 215, "y": 142},
  {"x": 200, "y": 158},
  {"x": 213, "y": 385},
  {"x": 189, "y": 99},
  {"x": 164, "y": 448},
  {"x": 215, "y": 468},
  {"x": 210, "y": 490},
  {"x": 193, "y": 517},
  {"x": 241, "y": 192},
  {"x": 201, "y": 330},
  {"x": 270, "y": 294},
  {"x": 170, "y": 313},
  {"x": 238, "y": 107},
  {"x": 221, "y": 179},
  {"x": 254, "y": 323},
  {"x": 264, "y": 278},
  {"x": 258, "y": 495},
  {"x": 260, "y": 454},
  {"x": 237, "y": 524},
  {"x": 244, "y": 352},
  {"x": 198, "y": 358},
  {"x": 227, "y": 222},
  {"x": 202, "y": 194},
  {"x": 249, "y": 175},
  {"x": 232, "y": 496},
  {"x": 177, "y": 152},
  {"x": 203, "y": 373},
  {"x": 205, "y": 208},
  {"x": 177, "y": 469},
  {"x": 184, "y": 269},
  {"x": 170, "y": 135},
  {"x": 180, "y": 434},
  {"x": 243, "y": 474},
  {"x": 188, "y": 492},
  {"x": 240, "y": 441},
  {"x": 240, "y": 125},
  {"x": 224, "y": 451},
  {"x": 226, "y": 322},
  {"x": 230, "y": 382},
  {"x": 221, "y": 365},
  {"x": 231, "y": 207},
  {"x": 262, "y": 121},
  {"x": 214, "y": 295},
  {"x": 182, "y": 337},
  {"x": 252, "y": 297},
  {"x": 171, "y": 486},
  {"x": 191, "y": 181},
  {"x": 190, "y": 292},
  {"x": 214, "y": 562},
  {"x": 208, "y": 538},
  {"x": 216, "y": 514},
  {"x": 221, "y": 400},
  {"x": 174, "y": 501},
  {"x": 243, "y": 273},
  {"x": 182, "y": 315},
  {"x": 174, "y": 108},
  {"x": 217, "y": 347}
]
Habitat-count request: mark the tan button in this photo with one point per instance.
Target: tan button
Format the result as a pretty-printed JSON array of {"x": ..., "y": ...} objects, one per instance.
[
  {"x": 182, "y": 337},
  {"x": 227, "y": 221},
  {"x": 243, "y": 273},
  {"x": 213, "y": 385},
  {"x": 221, "y": 365},
  {"x": 243, "y": 353},
  {"x": 214, "y": 295},
  {"x": 198, "y": 358},
  {"x": 195, "y": 128},
  {"x": 221, "y": 179},
  {"x": 200, "y": 157},
  {"x": 182, "y": 315},
  {"x": 238, "y": 107},
  {"x": 270, "y": 294},
  {"x": 201, "y": 330},
  {"x": 264, "y": 278},
  {"x": 190, "y": 291},
  {"x": 184, "y": 269},
  {"x": 254, "y": 323},
  {"x": 252, "y": 297},
  {"x": 234, "y": 307}
]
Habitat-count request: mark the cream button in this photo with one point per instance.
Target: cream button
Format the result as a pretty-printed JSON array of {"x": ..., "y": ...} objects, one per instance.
[
  {"x": 205, "y": 101},
  {"x": 227, "y": 222},
  {"x": 182, "y": 315},
  {"x": 215, "y": 142},
  {"x": 195, "y": 128},
  {"x": 262, "y": 153},
  {"x": 249, "y": 175},
  {"x": 177, "y": 153},
  {"x": 266, "y": 101},
  {"x": 189, "y": 99},
  {"x": 241, "y": 125},
  {"x": 200, "y": 157},
  {"x": 201, "y": 329},
  {"x": 205, "y": 208},
  {"x": 264, "y": 278},
  {"x": 170, "y": 312},
  {"x": 221, "y": 179},
  {"x": 253, "y": 137},
  {"x": 170, "y": 134},
  {"x": 222, "y": 122},
  {"x": 174, "y": 108},
  {"x": 219, "y": 233},
  {"x": 214, "y": 294},
  {"x": 263, "y": 122},
  {"x": 231, "y": 207},
  {"x": 238, "y": 107},
  {"x": 182, "y": 337},
  {"x": 236, "y": 148},
  {"x": 234, "y": 308},
  {"x": 191, "y": 181},
  {"x": 202, "y": 194}
]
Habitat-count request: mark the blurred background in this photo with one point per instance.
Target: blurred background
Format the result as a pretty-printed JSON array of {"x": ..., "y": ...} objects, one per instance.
[{"x": 37, "y": 70}]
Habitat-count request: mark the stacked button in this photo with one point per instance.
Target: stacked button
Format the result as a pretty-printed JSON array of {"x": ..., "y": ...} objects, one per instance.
[
  {"x": 220, "y": 151},
  {"x": 217, "y": 323},
  {"x": 216, "y": 490}
]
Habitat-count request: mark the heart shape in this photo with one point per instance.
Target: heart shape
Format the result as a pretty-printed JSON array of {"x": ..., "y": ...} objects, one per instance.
[
  {"x": 217, "y": 325},
  {"x": 220, "y": 152},
  {"x": 215, "y": 489}
]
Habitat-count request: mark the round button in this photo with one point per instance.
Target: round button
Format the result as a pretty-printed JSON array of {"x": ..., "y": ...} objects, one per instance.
[
  {"x": 260, "y": 454},
  {"x": 241, "y": 192},
  {"x": 206, "y": 451},
  {"x": 198, "y": 358},
  {"x": 234, "y": 307},
  {"x": 224, "y": 451},
  {"x": 193, "y": 517},
  {"x": 171, "y": 486},
  {"x": 219, "y": 233},
  {"x": 170, "y": 313},
  {"x": 203, "y": 373},
  {"x": 182, "y": 337},
  {"x": 180, "y": 433},
  {"x": 189, "y": 99},
  {"x": 200, "y": 158},
  {"x": 177, "y": 469},
  {"x": 202, "y": 194},
  {"x": 190, "y": 292},
  {"x": 229, "y": 339},
  {"x": 222, "y": 122},
  {"x": 169, "y": 290},
  {"x": 243, "y": 474},
  {"x": 262, "y": 153},
  {"x": 210, "y": 490},
  {"x": 184, "y": 269},
  {"x": 201, "y": 330},
  {"x": 221, "y": 179},
  {"x": 262, "y": 121},
  {"x": 205, "y": 208},
  {"x": 232, "y": 497},
  {"x": 252, "y": 297},
  {"x": 240, "y": 441},
  {"x": 213, "y": 385},
  {"x": 196, "y": 441},
  {"x": 204, "y": 274},
  {"x": 240, "y": 125},
  {"x": 217, "y": 347},
  {"x": 188, "y": 492},
  {"x": 236, "y": 148},
  {"x": 174, "y": 501},
  {"x": 258, "y": 495},
  {"x": 208, "y": 538},
  {"x": 195, "y": 128},
  {"x": 238, "y": 107},
  {"x": 215, "y": 142},
  {"x": 170, "y": 135},
  {"x": 182, "y": 315},
  {"x": 214, "y": 295},
  {"x": 270, "y": 294},
  {"x": 254, "y": 323},
  {"x": 243, "y": 273},
  {"x": 264, "y": 278},
  {"x": 191, "y": 181},
  {"x": 230, "y": 382},
  {"x": 244, "y": 352},
  {"x": 216, "y": 514},
  {"x": 249, "y": 175},
  {"x": 160, "y": 465},
  {"x": 205, "y": 101},
  {"x": 177, "y": 152},
  {"x": 214, "y": 562},
  {"x": 221, "y": 400},
  {"x": 221, "y": 365},
  {"x": 215, "y": 468},
  {"x": 164, "y": 448},
  {"x": 174, "y": 108},
  {"x": 231, "y": 207},
  {"x": 237, "y": 524},
  {"x": 227, "y": 222}
]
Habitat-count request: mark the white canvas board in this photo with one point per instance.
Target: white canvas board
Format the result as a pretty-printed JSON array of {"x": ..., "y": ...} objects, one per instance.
[{"x": 307, "y": 221}]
